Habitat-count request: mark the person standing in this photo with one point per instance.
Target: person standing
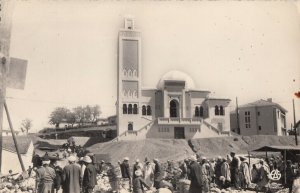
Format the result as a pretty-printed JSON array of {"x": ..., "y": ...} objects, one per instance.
[
  {"x": 89, "y": 177},
  {"x": 58, "y": 172},
  {"x": 71, "y": 176},
  {"x": 45, "y": 176},
  {"x": 225, "y": 178},
  {"x": 206, "y": 175},
  {"x": 254, "y": 174},
  {"x": 157, "y": 173},
  {"x": 138, "y": 183},
  {"x": 290, "y": 175},
  {"x": 148, "y": 173},
  {"x": 218, "y": 170},
  {"x": 234, "y": 170},
  {"x": 137, "y": 166},
  {"x": 82, "y": 168},
  {"x": 29, "y": 170},
  {"x": 125, "y": 170},
  {"x": 262, "y": 176},
  {"x": 195, "y": 176},
  {"x": 244, "y": 173}
]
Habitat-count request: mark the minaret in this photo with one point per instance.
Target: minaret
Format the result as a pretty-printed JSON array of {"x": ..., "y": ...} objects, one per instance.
[{"x": 129, "y": 76}]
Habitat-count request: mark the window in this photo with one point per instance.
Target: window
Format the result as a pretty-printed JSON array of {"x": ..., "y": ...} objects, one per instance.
[
  {"x": 163, "y": 129},
  {"x": 193, "y": 129},
  {"x": 217, "y": 110},
  {"x": 247, "y": 119},
  {"x": 135, "y": 109},
  {"x": 201, "y": 111},
  {"x": 124, "y": 109},
  {"x": 130, "y": 126},
  {"x": 220, "y": 126},
  {"x": 130, "y": 109},
  {"x": 143, "y": 110},
  {"x": 222, "y": 110},
  {"x": 197, "y": 113},
  {"x": 259, "y": 128},
  {"x": 148, "y": 110},
  {"x": 258, "y": 113}
]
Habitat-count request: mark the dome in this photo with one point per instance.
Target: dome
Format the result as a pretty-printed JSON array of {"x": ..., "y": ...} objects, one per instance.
[{"x": 176, "y": 75}]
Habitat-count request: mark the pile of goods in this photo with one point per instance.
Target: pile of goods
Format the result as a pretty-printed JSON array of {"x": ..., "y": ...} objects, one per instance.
[
  {"x": 16, "y": 186},
  {"x": 103, "y": 184},
  {"x": 275, "y": 187}
]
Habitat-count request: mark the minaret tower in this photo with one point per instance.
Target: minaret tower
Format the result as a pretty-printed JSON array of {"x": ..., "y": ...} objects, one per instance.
[{"x": 129, "y": 76}]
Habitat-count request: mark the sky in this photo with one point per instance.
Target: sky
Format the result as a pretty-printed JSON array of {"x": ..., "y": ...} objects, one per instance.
[{"x": 244, "y": 49}]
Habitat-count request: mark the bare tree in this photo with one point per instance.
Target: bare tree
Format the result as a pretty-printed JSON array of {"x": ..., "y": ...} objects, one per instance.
[{"x": 26, "y": 125}]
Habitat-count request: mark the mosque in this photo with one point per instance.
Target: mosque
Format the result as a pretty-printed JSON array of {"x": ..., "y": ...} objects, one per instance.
[{"x": 175, "y": 109}]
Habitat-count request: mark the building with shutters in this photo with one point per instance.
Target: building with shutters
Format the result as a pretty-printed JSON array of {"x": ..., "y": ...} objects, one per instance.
[
  {"x": 262, "y": 117},
  {"x": 174, "y": 109}
]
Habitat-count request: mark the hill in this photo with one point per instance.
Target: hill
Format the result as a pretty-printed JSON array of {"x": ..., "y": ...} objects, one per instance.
[
  {"x": 178, "y": 149},
  {"x": 212, "y": 147},
  {"x": 163, "y": 149}
]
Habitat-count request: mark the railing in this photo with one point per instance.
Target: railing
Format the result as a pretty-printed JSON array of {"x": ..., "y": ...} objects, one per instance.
[
  {"x": 178, "y": 121},
  {"x": 136, "y": 132},
  {"x": 212, "y": 127}
]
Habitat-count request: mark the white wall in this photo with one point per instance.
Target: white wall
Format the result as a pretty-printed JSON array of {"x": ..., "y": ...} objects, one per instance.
[{"x": 10, "y": 160}]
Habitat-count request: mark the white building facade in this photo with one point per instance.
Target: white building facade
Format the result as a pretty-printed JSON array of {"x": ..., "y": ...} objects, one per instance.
[
  {"x": 262, "y": 117},
  {"x": 175, "y": 109}
]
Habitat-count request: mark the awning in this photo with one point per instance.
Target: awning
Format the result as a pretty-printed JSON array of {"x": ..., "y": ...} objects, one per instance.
[{"x": 278, "y": 148}]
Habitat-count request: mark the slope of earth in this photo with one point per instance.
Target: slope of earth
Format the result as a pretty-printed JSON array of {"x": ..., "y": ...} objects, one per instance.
[
  {"x": 163, "y": 149},
  {"x": 212, "y": 147}
]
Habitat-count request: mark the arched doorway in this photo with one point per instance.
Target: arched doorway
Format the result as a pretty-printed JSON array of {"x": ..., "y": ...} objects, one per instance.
[
  {"x": 174, "y": 108},
  {"x": 130, "y": 126}
]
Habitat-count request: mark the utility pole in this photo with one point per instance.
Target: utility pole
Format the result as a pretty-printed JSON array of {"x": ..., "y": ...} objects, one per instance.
[
  {"x": 295, "y": 127},
  {"x": 237, "y": 116},
  {"x": 14, "y": 137},
  {"x": 12, "y": 70}
]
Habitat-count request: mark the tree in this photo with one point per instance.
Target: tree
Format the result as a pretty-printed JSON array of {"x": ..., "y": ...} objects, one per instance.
[
  {"x": 96, "y": 112},
  {"x": 26, "y": 125},
  {"x": 71, "y": 118},
  {"x": 79, "y": 113},
  {"x": 59, "y": 115},
  {"x": 87, "y": 114}
]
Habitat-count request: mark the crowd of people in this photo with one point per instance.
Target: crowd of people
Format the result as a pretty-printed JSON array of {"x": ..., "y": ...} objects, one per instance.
[{"x": 198, "y": 172}]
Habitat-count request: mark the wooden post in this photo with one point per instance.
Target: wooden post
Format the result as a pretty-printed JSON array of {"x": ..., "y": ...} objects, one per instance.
[
  {"x": 284, "y": 166},
  {"x": 295, "y": 128},
  {"x": 237, "y": 116},
  {"x": 14, "y": 137},
  {"x": 249, "y": 163}
]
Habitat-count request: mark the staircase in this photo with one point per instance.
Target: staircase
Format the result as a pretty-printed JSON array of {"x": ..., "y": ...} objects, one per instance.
[
  {"x": 211, "y": 127},
  {"x": 129, "y": 135}
]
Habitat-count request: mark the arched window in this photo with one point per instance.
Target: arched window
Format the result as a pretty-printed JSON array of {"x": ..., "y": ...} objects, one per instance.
[
  {"x": 143, "y": 110},
  {"x": 130, "y": 109},
  {"x": 124, "y": 109},
  {"x": 217, "y": 110},
  {"x": 134, "y": 93},
  {"x": 174, "y": 108},
  {"x": 148, "y": 110},
  {"x": 134, "y": 73},
  {"x": 201, "y": 111},
  {"x": 222, "y": 110},
  {"x": 130, "y": 126},
  {"x": 135, "y": 109},
  {"x": 197, "y": 111}
]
